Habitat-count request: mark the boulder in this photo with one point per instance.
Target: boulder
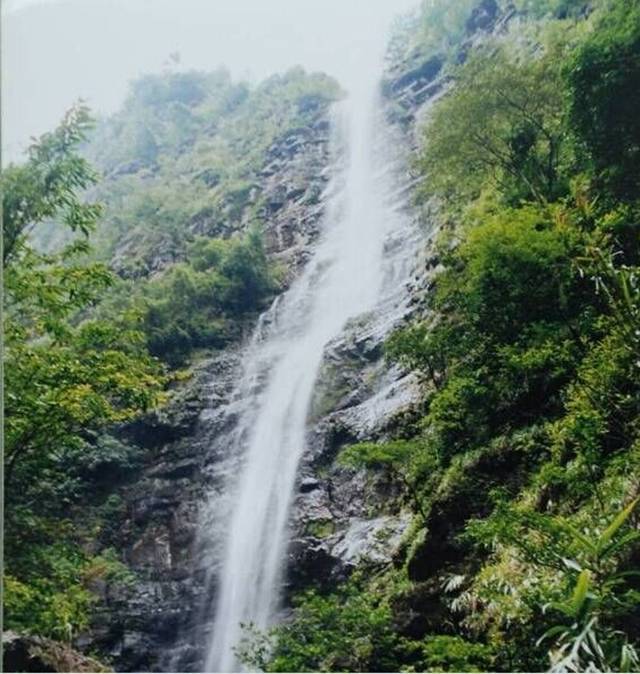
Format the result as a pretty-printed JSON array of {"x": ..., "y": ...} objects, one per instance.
[{"x": 26, "y": 653}]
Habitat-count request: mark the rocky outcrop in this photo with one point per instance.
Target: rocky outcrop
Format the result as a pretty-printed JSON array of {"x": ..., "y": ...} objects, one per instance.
[
  {"x": 345, "y": 518},
  {"x": 342, "y": 518},
  {"x": 148, "y": 625},
  {"x": 290, "y": 187},
  {"x": 414, "y": 82},
  {"x": 283, "y": 194},
  {"x": 25, "y": 653},
  {"x": 483, "y": 17}
]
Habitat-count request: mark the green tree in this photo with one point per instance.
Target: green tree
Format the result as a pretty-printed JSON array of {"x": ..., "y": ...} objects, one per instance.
[
  {"x": 604, "y": 87},
  {"x": 501, "y": 124},
  {"x": 67, "y": 375},
  {"x": 201, "y": 303},
  {"x": 48, "y": 185},
  {"x": 64, "y": 375}
]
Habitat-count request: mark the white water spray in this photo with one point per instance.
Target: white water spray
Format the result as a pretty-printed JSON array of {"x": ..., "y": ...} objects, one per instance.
[{"x": 341, "y": 282}]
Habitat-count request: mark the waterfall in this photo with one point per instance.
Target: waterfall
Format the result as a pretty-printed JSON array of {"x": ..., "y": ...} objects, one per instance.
[{"x": 342, "y": 281}]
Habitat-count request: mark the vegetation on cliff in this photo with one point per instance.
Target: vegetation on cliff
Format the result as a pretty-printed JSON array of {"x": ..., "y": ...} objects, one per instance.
[
  {"x": 523, "y": 472},
  {"x": 113, "y": 278},
  {"x": 520, "y": 465}
]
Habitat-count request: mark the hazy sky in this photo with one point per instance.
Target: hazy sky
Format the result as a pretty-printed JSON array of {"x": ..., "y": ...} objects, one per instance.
[{"x": 56, "y": 51}]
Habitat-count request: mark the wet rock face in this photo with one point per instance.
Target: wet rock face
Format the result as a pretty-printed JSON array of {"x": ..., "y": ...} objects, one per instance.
[
  {"x": 291, "y": 184},
  {"x": 341, "y": 517},
  {"x": 344, "y": 518},
  {"x": 188, "y": 448},
  {"x": 414, "y": 87},
  {"x": 321, "y": 558},
  {"x": 140, "y": 621}
]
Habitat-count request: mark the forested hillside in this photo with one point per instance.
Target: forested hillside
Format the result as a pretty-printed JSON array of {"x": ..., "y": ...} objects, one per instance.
[
  {"x": 521, "y": 464},
  {"x": 139, "y": 252},
  {"x": 131, "y": 245}
]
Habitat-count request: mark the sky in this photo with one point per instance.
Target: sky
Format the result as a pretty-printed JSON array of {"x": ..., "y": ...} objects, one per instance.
[{"x": 57, "y": 51}]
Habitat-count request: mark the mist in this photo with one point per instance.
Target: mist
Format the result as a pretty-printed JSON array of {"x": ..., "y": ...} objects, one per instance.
[{"x": 57, "y": 51}]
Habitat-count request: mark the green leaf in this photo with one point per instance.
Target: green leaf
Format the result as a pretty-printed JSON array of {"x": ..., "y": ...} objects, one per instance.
[
  {"x": 552, "y": 632},
  {"x": 613, "y": 528},
  {"x": 615, "y": 546},
  {"x": 587, "y": 544},
  {"x": 629, "y": 660},
  {"x": 581, "y": 590}
]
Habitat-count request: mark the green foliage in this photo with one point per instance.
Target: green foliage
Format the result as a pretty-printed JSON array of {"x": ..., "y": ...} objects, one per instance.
[
  {"x": 347, "y": 631},
  {"x": 604, "y": 87},
  {"x": 502, "y": 125},
  {"x": 444, "y": 653},
  {"x": 590, "y": 589},
  {"x": 443, "y": 24},
  {"x": 406, "y": 461},
  {"x": 67, "y": 376},
  {"x": 53, "y": 597},
  {"x": 56, "y": 394},
  {"x": 436, "y": 28},
  {"x": 553, "y": 8},
  {"x": 515, "y": 270},
  {"x": 163, "y": 113},
  {"x": 48, "y": 184},
  {"x": 524, "y": 468},
  {"x": 509, "y": 300},
  {"x": 353, "y": 630},
  {"x": 183, "y": 157},
  {"x": 199, "y": 304},
  {"x": 63, "y": 375},
  {"x": 58, "y": 608},
  {"x": 182, "y": 162},
  {"x": 374, "y": 455}
]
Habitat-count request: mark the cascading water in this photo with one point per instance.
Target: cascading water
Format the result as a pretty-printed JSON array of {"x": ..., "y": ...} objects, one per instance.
[{"x": 341, "y": 282}]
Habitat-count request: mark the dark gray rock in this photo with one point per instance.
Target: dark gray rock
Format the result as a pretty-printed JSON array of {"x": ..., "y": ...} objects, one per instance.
[
  {"x": 309, "y": 484},
  {"x": 26, "y": 653},
  {"x": 418, "y": 77},
  {"x": 483, "y": 17}
]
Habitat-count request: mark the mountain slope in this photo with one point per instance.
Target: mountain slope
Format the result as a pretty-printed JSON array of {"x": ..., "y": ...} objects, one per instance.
[{"x": 520, "y": 459}]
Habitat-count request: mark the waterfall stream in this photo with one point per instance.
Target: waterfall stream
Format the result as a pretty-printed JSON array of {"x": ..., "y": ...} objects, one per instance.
[{"x": 342, "y": 281}]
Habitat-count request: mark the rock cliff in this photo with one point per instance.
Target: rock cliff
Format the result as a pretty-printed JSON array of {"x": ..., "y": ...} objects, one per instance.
[
  {"x": 342, "y": 518},
  {"x": 185, "y": 445}
]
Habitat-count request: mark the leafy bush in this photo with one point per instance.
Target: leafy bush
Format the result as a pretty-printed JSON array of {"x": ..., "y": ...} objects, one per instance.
[
  {"x": 604, "y": 86},
  {"x": 54, "y": 597},
  {"x": 445, "y": 653},
  {"x": 502, "y": 125},
  {"x": 555, "y": 8},
  {"x": 199, "y": 304},
  {"x": 347, "y": 631},
  {"x": 583, "y": 576}
]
